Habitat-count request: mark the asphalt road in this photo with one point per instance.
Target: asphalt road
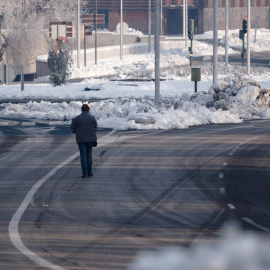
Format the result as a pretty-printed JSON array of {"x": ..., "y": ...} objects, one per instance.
[{"x": 150, "y": 189}]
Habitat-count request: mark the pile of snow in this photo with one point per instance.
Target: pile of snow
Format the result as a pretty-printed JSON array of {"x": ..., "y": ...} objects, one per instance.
[
  {"x": 228, "y": 101},
  {"x": 240, "y": 96},
  {"x": 234, "y": 251}
]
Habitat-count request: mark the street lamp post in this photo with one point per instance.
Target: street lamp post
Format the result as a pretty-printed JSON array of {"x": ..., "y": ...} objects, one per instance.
[
  {"x": 226, "y": 31},
  {"x": 248, "y": 37},
  {"x": 184, "y": 18},
  {"x": 149, "y": 26},
  {"x": 157, "y": 51},
  {"x": 121, "y": 30},
  {"x": 215, "y": 41},
  {"x": 161, "y": 17},
  {"x": 186, "y": 22},
  {"x": 78, "y": 32},
  {"x": 96, "y": 33}
]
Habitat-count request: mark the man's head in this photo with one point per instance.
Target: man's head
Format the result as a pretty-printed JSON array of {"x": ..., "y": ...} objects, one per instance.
[{"x": 85, "y": 108}]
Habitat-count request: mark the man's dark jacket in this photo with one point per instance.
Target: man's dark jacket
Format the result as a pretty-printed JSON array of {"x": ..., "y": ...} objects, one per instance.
[{"x": 85, "y": 127}]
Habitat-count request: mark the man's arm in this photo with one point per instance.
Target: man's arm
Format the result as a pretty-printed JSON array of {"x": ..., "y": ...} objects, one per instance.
[
  {"x": 96, "y": 124},
  {"x": 72, "y": 126}
]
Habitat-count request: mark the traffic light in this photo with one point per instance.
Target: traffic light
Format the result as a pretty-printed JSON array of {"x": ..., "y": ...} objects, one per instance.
[
  {"x": 241, "y": 35},
  {"x": 190, "y": 35},
  {"x": 191, "y": 29},
  {"x": 244, "y": 26},
  {"x": 1, "y": 53}
]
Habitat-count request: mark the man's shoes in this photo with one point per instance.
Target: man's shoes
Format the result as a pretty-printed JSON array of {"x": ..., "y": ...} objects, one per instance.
[
  {"x": 90, "y": 174},
  {"x": 84, "y": 176}
]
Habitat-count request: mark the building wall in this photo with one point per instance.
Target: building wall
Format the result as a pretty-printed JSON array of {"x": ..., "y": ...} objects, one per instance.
[
  {"x": 137, "y": 19},
  {"x": 237, "y": 13},
  {"x": 114, "y": 19},
  {"x": 202, "y": 12}
]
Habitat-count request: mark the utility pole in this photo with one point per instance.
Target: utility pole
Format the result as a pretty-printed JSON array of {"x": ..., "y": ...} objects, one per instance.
[
  {"x": 149, "y": 26},
  {"x": 184, "y": 19},
  {"x": 215, "y": 41},
  {"x": 157, "y": 51},
  {"x": 95, "y": 33},
  {"x": 78, "y": 32},
  {"x": 121, "y": 30},
  {"x": 226, "y": 32},
  {"x": 161, "y": 17},
  {"x": 248, "y": 37}
]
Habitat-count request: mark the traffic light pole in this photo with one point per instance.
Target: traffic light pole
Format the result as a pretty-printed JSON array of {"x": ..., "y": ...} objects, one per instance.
[
  {"x": 242, "y": 33},
  {"x": 191, "y": 52},
  {"x": 243, "y": 50},
  {"x": 190, "y": 36}
]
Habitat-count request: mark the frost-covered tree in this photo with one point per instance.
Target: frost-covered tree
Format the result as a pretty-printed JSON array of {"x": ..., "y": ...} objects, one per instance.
[
  {"x": 23, "y": 29},
  {"x": 2, "y": 40},
  {"x": 60, "y": 10},
  {"x": 60, "y": 62},
  {"x": 26, "y": 24}
]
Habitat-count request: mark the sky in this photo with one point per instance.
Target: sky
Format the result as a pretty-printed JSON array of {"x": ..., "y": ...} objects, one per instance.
[{"x": 122, "y": 104}]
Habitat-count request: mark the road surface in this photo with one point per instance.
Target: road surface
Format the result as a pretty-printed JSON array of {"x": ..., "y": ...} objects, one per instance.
[{"x": 150, "y": 189}]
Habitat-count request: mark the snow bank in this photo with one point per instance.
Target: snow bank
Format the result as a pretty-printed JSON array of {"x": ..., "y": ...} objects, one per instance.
[
  {"x": 230, "y": 100},
  {"x": 235, "y": 250},
  {"x": 241, "y": 96}
]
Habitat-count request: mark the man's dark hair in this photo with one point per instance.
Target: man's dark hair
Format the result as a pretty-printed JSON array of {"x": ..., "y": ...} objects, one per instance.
[{"x": 85, "y": 108}]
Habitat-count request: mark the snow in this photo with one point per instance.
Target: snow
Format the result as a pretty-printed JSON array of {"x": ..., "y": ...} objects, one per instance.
[
  {"x": 235, "y": 250},
  {"x": 120, "y": 92}
]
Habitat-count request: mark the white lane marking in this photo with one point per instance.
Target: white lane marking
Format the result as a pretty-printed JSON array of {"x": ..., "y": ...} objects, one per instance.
[
  {"x": 14, "y": 223},
  {"x": 4, "y": 123},
  {"x": 221, "y": 175},
  {"x": 110, "y": 133},
  {"x": 251, "y": 222},
  {"x": 225, "y": 164},
  {"x": 28, "y": 124},
  {"x": 231, "y": 206},
  {"x": 52, "y": 123},
  {"x": 13, "y": 227},
  {"x": 222, "y": 190}
]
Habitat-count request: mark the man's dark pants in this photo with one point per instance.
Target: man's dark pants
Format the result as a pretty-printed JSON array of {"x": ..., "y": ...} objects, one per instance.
[{"x": 86, "y": 157}]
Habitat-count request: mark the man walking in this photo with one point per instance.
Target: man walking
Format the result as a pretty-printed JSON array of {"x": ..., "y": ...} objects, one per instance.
[{"x": 85, "y": 127}]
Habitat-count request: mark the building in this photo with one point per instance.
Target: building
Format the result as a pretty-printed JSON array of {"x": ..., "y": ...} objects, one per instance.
[{"x": 135, "y": 14}]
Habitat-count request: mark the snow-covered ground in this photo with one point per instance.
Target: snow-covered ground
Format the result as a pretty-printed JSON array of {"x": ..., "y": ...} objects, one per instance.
[{"x": 234, "y": 98}]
